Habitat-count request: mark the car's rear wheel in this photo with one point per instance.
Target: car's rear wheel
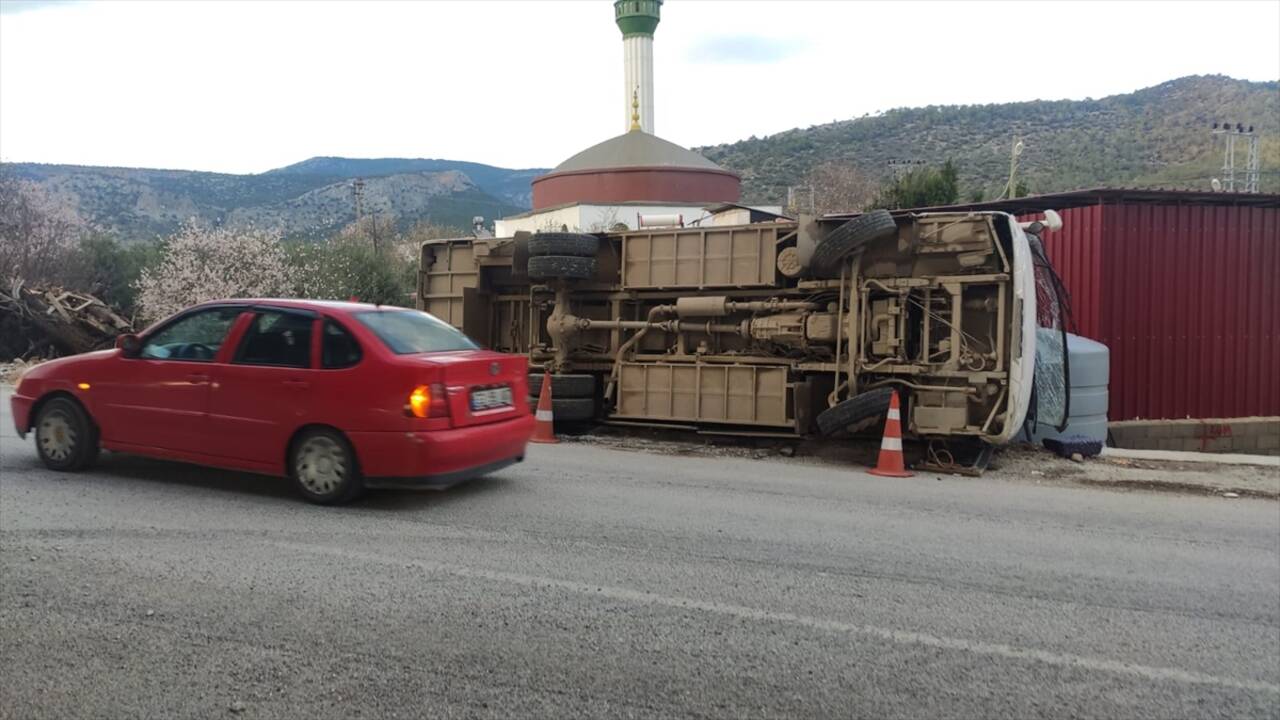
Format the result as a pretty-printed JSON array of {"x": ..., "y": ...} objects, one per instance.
[
  {"x": 65, "y": 437},
  {"x": 324, "y": 468}
]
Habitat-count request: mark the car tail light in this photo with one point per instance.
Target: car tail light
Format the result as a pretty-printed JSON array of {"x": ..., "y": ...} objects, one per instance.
[{"x": 428, "y": 401}]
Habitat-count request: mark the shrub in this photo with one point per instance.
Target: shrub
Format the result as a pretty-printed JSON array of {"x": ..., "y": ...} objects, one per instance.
[
  {"x": 371, "y": 261},
  {"x": 343, "y": 268},
  {"x": 925, "y": 187},
  {"x": 108, "y": 269}
]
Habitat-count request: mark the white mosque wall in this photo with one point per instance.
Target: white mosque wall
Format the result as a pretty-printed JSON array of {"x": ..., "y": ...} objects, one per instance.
[{"x": 592, "y": 218}]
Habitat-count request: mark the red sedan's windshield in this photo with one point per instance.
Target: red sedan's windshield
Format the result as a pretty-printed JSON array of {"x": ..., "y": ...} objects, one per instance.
[{"x": 408, "y": 331}]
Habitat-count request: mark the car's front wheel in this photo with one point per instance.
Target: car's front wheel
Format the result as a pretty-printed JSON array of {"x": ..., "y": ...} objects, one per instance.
[
  {"x": 65, "y": 437},
  {"x": 324, "y": 468}
]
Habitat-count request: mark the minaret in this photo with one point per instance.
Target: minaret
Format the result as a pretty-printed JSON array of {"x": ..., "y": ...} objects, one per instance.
[{"x": 637, "y": 19}]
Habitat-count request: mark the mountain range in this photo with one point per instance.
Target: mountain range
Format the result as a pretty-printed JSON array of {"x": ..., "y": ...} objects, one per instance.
[
  {"x": 1160, "y": 136},
  {"x": 312, "y": 198},
  {"x": 1156, "y": 137}
]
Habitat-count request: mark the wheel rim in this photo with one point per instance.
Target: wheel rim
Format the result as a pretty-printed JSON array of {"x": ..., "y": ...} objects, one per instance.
[
  {"x": 56, "y": 436},
  {"x": 321, "y": 465}
]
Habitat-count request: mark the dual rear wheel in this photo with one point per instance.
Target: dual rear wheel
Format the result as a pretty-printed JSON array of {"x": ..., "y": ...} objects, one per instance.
[
  {"x": 563, "y": 256},
  {"x": 573, "y": 397}
]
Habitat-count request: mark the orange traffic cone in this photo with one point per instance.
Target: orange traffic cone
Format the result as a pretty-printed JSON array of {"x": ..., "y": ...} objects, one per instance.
[
  {"x": 891, "y": 463},
  {"x": 543, "y": 426}
]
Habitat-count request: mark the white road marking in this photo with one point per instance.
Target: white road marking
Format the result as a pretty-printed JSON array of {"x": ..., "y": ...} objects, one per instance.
[{"x": 901, "y": 637}]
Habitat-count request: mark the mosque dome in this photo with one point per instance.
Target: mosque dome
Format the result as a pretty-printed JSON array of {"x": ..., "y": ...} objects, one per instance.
[{"x": 636, "y": 167}]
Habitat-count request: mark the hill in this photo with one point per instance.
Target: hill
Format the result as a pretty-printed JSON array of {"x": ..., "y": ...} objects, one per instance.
[
  {"x": 311, "y": 198},
  {"x": 511, "y": 186},
  {"x": 1157, "y": 136}
]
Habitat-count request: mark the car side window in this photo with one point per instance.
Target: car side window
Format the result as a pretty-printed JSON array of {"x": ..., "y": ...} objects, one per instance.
[
  {"x": 282, "y": 339},
  {"x": 196, "y": 337},
  {"x": 338, "y": 349}
]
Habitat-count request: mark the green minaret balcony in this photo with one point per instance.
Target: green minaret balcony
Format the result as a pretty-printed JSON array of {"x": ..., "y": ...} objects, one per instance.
[{"x": 637, "y": 17}]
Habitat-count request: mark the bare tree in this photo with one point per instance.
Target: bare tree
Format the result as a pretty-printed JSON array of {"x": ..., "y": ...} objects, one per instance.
[
  {"x": 408, "y": 245},
  {"x": 424, "y": 230},
  {"x": 36, "y": 234},
  {"x": 608, "y": 221},
  {"x": 377, "y": 229},
  {"x": 840, "y": 187}
]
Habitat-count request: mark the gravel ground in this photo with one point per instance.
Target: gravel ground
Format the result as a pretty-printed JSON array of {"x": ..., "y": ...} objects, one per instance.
[
  {"x": 1017, "y": 463},
  {"x": 595, "y": 581}
]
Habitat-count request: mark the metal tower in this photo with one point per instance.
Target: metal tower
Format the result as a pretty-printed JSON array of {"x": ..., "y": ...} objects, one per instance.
[
  {"x": 1249, "y": 183},
  {"x": 902, "y": 167}
]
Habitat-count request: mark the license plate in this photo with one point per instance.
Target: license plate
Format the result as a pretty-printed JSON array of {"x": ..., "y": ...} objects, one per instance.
[{"x": 491, "y": 398}]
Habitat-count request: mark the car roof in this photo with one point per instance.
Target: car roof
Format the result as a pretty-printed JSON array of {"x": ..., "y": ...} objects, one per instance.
[{"x": 335, "y": 306}]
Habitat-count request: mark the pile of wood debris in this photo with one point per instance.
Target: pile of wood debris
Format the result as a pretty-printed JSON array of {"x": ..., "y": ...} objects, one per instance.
[
  {"x": 44, "y": 321},
  {"x": 10, "y": 372}
]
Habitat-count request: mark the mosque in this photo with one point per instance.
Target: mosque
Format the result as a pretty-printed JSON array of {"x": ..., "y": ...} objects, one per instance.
[{"x": 637, "y": 178}]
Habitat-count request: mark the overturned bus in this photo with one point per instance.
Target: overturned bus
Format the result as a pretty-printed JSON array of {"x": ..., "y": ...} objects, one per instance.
[{"x": 793, "y": 327}]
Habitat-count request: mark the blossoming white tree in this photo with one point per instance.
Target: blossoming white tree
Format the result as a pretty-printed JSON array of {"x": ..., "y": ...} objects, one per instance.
[{"x": 200, "y": 264}]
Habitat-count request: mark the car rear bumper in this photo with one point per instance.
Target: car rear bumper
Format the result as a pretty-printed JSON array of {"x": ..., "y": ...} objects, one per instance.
[
  {"x": 440, "y": 458},
  {"x": 439, "y": 481}
]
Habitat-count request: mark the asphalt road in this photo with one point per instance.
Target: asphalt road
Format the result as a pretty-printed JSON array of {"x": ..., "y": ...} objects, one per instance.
[{"x": 604, "y": 583}]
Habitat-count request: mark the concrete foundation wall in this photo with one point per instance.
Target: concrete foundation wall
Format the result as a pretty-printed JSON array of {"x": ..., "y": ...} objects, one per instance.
[{"x": 1254, "y": 436}]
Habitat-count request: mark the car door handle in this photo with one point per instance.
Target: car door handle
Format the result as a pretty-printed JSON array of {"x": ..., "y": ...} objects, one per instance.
[
  {"x": 196, "y": 378},
  {"x": 299, "y": 384}
]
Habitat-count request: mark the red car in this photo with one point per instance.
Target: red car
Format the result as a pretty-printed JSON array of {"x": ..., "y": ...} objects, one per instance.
[{"x": 337, "y": 396}]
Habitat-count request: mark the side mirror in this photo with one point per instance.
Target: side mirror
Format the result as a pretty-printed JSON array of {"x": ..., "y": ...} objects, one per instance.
[{"x": 131, "y": 345}]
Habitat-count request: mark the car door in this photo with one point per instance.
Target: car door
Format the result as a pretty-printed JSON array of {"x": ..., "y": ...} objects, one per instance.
[
  {"x": 264, "y": 392},
  {"x": 159, "y": 399},
  {"x": 341, "y": 377}
]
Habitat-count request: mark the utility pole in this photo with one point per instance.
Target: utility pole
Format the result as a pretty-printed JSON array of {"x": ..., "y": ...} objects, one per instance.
[
  {"x": 794, "y": 198},
  {"x": 1011, "y": 189},
  {"x": 357, "y": 196}
]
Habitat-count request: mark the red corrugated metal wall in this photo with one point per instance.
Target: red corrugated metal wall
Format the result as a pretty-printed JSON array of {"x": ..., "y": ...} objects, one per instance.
[
  {"x": 1076, "y": 252},
  {"x": 1186, "y": 297}
]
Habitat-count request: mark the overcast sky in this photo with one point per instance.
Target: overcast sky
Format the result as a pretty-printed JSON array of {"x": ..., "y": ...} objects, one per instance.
[{"x": 248, "y": 86}]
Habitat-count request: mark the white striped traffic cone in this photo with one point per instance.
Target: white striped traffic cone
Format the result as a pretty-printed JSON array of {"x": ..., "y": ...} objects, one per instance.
[{"x": 891, "y": 462}]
